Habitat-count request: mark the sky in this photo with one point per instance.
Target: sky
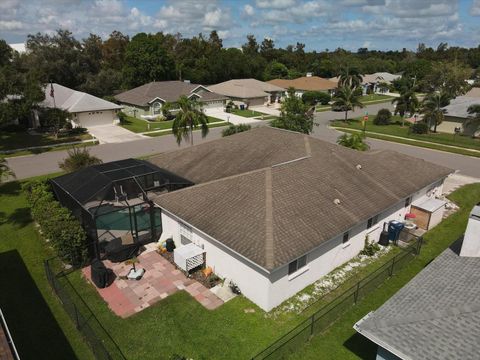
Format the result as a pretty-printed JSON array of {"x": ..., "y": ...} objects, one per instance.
[{"x": 319, "y": 24}]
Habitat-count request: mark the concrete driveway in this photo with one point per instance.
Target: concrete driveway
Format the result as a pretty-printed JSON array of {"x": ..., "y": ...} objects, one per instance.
[
  {"x": 232, "y": 118},
  {"x": 270, "y": 110},
  {"x": 107, "y": 134}
]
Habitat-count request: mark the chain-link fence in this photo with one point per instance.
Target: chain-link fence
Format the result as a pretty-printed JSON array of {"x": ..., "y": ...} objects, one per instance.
[
  {"x": 327, "y": 315},
  {"x": 99, "y": 340}
]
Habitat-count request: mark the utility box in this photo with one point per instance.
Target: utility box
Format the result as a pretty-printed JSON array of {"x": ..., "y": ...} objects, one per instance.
[
  {"x": 188, "y": 257},
  {"x": 471, "y": 239},
  {"x": 429, "y": 213}
]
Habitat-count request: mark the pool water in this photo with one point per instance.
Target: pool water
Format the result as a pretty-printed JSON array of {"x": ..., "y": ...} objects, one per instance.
[{"x": 120, "y": 220}]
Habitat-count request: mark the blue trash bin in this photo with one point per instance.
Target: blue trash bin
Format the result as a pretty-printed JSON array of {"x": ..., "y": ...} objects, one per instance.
[{"x": 394, "y": 229}]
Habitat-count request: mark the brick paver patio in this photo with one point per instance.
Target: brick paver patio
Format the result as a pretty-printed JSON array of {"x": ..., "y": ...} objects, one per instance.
[{"x": 161, "y": 279}]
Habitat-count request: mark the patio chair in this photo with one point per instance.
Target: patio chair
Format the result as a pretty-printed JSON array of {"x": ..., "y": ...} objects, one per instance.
[
  {"x": 122, "y": 249},
  {"x": 101, "y": 276}
]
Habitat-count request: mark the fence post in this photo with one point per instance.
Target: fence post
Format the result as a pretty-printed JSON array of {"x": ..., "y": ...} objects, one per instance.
[
  {"x": 393, "y": 264},
  {"x": 419, "y": 245},
  {"x": 311, "y": 324},
  {"x": 355, "y": 294}
]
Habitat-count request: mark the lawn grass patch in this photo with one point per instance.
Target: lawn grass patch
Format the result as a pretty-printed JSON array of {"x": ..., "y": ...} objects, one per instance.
[
  {"x": 247, "y": 113},
  {"x": 47, "y": 149},
  {"x": 39, "y": 325},
  {"x": 216, "y": 123},
  {"x": 22, "y": 139},
  {"x": 375, "y": 97},
  {"x": 341, "y": 341},
  {"x": 396, "y": 129},
  {"x": 136, "y": 125}
]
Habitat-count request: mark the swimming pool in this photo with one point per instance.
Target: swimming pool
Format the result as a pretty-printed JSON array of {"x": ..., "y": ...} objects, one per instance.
[{"x": 120, "y": 220}]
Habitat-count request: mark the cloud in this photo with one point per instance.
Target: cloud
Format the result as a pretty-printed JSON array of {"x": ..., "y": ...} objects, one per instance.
[
  {"x": 275, "y": 4},
  {"x": 475, "y": 9},
  {"x": 10, "y": 25},
  {"x": 249, "y": 10}
]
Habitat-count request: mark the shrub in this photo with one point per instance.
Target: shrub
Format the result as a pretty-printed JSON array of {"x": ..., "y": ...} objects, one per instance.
[
  {"x": 78, "y": 131},
  {"x": 233, "y": 129},
  {"x": 122, "y": 117},
  {"x": 57, "y": 223},
  {"x": 370, "y": 248},
  {"x": 419, "y": 128},
  {"x": 384, "y": 116},
  {"x": 78, "y": 158},
  {"x": 314, "y": 97}
]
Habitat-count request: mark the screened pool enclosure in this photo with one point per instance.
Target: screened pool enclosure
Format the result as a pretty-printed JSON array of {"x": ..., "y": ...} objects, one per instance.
[{"x": 113, "y": 201}]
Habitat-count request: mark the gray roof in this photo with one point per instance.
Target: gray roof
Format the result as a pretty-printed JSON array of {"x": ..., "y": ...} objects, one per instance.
[
  {"x": 75, "y": 101},
  {"x": 435, "y": 316},
  {"x": 166, "y": 91},
  {"x": 458, "y": 106},
  {"x": 268, "y": 194},
  {"x": 245, "y": 88}
]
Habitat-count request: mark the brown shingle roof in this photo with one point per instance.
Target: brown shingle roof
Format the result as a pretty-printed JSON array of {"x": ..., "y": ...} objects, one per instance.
[
  {"x": 166, "y": 90},
  {"x": 306, "y": 83},
  {"x": 261, "y": 194}
]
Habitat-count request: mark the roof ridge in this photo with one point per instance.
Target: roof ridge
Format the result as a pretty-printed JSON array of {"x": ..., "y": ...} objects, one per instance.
[
  {"x": 269, "y": 243},
  {"x": 424, "y": 316},
  {"x": 81, "y": 96}
]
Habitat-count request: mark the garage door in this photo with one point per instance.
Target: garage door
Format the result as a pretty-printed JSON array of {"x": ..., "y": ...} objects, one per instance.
[
  {"x": 96, "y": 118},
  {"x": 213, "y": 105}
]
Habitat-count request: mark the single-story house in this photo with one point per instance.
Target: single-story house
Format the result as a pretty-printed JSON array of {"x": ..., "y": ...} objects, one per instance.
[
  {"x": 457, "y": 116},
  {"x": 147, "y": 100},
  {"x": 306, "y": 83},
  {"x": 437, "y": 314},
  {"x": 276, "y": 210},
  {"x": 372, "y": 82},
  {"x": 251, "y": 92},
  {"x": 86, "y": 110}
]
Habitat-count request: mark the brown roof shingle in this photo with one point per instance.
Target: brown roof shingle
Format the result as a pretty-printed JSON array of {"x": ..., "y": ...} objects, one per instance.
[
  {"x": 166, "y": 90},
  {"x": 306, "y": 83},
  {"x": 260, "y": 193}
]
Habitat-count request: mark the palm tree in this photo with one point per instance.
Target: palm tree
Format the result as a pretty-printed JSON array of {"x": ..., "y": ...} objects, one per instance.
[
  {"x": 347, "y": 99},
  {"x": 189, "y": 117},
  {"x": 353, "y": 141},
  {"x": 474, "y": 118},
  {"x": 5, "y": 171},
  {"x": 406, "y": 102},
  {"x": 350, "y": 77},
  {"x": 432, "y": 108}
]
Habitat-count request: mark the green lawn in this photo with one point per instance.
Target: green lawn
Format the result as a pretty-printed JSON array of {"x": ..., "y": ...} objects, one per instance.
[
  {"x": 19, "y": 140},
  {"x": 341, "y": 341},
  {"x": 210, "y": 126},
  {"x": 139, "y": 126},
  {"x": 375, "y": 97},
  {"x": 398, "y": 130},
  {"x": 247, "y": 113},
  {"x": 48, "y": 149},
  {"x": 39, "y": 326}
]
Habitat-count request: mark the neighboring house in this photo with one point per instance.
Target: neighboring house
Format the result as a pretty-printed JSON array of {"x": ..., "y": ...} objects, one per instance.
[
  {"x": 146, "y": 101},
  {"x": 306, "y": 83},
  {"x": 251, "y": 92},
  {"x": 457, "y": 116},
  {"x": 437, "y": 314},
  {"x": 372, "y": 82},
  {"x": 86, "y": 110},
  {"x": 276, "y": 210}
]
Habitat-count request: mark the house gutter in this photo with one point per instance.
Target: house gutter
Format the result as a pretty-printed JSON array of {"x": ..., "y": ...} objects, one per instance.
[{"x": 3, "y": 323}]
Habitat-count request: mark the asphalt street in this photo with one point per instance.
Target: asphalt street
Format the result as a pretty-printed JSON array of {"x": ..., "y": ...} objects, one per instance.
[{"x": 45, "y": 163}]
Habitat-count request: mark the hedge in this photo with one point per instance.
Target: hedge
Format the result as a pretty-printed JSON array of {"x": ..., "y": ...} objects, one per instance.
[{"x": 57, "y": 223}]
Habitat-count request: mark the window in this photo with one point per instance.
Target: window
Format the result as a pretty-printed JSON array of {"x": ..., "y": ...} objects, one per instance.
[
  {"x": 408, "y": 201},
  {"x": 185, "y": 234},
  {"x": 346, "y": 236},
  {"x": 296, "y": 265},
  {"x": 372, "y": 221},
  {"x": 157, "y": 108}
]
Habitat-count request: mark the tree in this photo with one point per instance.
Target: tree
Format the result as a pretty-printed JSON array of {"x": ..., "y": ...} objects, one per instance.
[
  {"x": 474, "y": 118},
  {"x": 5, "y": 171},
  {"x": 352, "y": 141},
  {"x": 449, "y": 78},
  {"x": 234, "y": 129},
  {"x": 146, "y": 60},
  {"x": 78, "y": 158},
  {"x": 314, "y": 97},
  {"x": 347, "y": 99},
  {"x": 406, "y": 102},
  {"x": 432, "y": 108},
  {"x": 54, "y": 118},
  {"x": 383, "y": 117},
  {"x": 294, "y": 115},
  {"x": 113, "y": 50},
  {"x": 275, "y": 70},
  {"x": 350, "y": 77},
  {"x": 189, "y": 116}
]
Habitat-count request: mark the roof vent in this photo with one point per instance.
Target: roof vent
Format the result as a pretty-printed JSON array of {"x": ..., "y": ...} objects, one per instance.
[
  {"x": 359, "y": 167},
  {"x": 336, "y": 201}
]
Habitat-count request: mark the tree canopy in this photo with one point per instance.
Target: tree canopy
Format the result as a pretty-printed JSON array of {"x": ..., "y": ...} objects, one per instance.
[{"x": 294, "y": 115}]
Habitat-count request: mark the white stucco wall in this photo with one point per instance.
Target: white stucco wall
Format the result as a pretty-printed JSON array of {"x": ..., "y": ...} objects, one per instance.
[{"x": 269, "y": 290}]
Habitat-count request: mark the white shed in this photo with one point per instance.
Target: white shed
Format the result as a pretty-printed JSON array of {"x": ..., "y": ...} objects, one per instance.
[{"x": 429, "y": 213}]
